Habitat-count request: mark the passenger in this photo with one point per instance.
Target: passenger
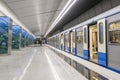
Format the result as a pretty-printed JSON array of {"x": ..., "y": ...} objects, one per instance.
[{"x": 37, "y": 42}]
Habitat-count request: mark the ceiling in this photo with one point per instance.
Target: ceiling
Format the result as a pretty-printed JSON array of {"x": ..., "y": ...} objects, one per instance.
[
  {"x": 76, "y": 10},
  {"x": 37, "y": 15}
]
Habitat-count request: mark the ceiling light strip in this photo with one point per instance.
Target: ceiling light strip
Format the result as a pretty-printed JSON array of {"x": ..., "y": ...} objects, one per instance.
[
  {"x": 66, "y": 10},
  {"x": 60, "y": 16},
  {"x": 52, "y": 26}
]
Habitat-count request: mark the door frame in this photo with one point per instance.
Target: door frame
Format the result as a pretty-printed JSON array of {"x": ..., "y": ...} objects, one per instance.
[{"x": 89, "y": 40}]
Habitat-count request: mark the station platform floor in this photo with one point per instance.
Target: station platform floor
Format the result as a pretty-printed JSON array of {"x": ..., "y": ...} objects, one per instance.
[{"x": 36, "y": 63}]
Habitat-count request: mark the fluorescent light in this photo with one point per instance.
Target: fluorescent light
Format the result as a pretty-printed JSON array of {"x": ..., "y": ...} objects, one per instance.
[
  {"x": 60, "y": 16},
  {"x": 66, "y": 10},
  {"x": 54, "y": 23},
  {"x": 63, "y": 10}
]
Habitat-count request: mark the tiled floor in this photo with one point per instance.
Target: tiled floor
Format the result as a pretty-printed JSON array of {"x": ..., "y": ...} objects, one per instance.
[{"x": 36, "y": 63}]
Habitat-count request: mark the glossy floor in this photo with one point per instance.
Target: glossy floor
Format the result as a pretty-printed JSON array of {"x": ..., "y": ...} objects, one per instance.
[{"x": 36, "y": 63}]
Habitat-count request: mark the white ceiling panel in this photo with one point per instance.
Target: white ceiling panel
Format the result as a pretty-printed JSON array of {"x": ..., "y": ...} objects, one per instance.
[
  {"x": 23, "y": 3},
  {"x": 37, "y": 15},
  {"x": 12, "y": 0}
]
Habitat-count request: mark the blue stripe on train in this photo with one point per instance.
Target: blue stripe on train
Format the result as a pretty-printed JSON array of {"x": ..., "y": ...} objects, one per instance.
[
  {"x": 102, "y": 58},
  {"x": 86, "y": 54},
  {"x": 74, "y": 51},
  {"x": 102, "y": 61}
]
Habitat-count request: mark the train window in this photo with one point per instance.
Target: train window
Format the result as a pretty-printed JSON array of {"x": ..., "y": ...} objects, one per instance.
[
  {"x": 66, "y": 39},
  {"x": 73, "y": 37},
  {"x": 80, "y": 37},
  {"x": 101, "y": 32},
  {"x": 85, "y": 40},
  {"x": 114, "y": 33}
]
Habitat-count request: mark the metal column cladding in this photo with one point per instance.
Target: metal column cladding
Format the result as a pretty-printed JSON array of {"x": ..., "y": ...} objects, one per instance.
[
  {"x": 5, "y": 35},
  {"x": 15, "y": 36}
]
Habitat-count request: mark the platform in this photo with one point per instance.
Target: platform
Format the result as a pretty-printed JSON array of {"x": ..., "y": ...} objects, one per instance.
[{"x": 36, "y": 63}]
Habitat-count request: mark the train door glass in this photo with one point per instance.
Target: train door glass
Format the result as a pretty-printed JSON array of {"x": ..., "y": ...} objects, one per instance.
[
  {"x": 93, "y": 43},
  {"x": 79, "y": 40},
  {"x": 62, "y": 42},
  {"x": 71, "y": 41}
]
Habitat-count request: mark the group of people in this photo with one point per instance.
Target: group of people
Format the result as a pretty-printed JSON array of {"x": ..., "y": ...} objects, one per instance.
[{"x": 38, "y": 42}]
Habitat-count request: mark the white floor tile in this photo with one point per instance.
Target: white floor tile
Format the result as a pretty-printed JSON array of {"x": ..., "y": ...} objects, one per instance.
[{"x": 36, "y": 63}]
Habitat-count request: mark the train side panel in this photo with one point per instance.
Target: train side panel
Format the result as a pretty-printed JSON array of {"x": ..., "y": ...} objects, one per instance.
[{"x": 113, "y": 45}]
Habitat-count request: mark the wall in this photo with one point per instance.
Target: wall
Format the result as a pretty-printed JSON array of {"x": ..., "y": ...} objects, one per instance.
[{"x": 96, "y": 10}]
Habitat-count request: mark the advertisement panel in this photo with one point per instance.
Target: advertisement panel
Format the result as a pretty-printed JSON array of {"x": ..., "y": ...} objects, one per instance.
[
  {"x": 4, "y": 34},
  {"x": 15, "y": 36}
]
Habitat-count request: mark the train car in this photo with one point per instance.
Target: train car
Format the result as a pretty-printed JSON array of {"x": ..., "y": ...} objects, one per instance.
[
  {"x": 101, "y": 42},
  {"x": 97, "y": 39},
  {"x": 94, "y": 43},
  {"x": 70, "y": 42},
  {"x": 113, "y": 41}
]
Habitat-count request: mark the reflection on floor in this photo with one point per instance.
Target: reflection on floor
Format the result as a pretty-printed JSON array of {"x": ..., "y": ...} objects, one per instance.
[{"x": 36, "y": 63}]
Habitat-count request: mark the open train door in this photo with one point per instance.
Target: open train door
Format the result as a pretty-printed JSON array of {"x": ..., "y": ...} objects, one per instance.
[
  {"x": 85, "y": 42},
  {"x": 102, "y": 52}
]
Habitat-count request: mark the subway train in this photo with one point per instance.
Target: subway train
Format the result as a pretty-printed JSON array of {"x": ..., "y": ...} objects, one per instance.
[{"x": 96, "y": 40}]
